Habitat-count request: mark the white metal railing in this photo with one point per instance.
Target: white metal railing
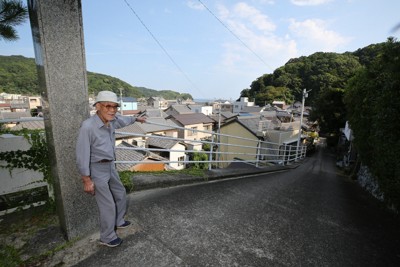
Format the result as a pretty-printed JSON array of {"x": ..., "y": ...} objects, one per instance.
[
  {"x": 223, "y": 150},
  {"x": 263, "y": 152}
]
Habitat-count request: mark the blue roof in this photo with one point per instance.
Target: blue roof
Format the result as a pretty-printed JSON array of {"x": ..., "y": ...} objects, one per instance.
[{"x": 127, "y": 99}]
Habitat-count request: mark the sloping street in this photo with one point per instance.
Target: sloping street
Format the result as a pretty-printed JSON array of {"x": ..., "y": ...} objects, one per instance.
[{"x": 308, "y": 216}]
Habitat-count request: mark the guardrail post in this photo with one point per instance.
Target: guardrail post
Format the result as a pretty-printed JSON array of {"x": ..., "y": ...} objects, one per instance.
[
  {"x": 258, "y": 152},
  {"x": 289, "y": 153},
  {"x": 211, "y": 152}
]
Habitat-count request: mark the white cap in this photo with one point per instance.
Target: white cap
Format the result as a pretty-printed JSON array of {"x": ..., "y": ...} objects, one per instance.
[{"x": 106, "y": 96}]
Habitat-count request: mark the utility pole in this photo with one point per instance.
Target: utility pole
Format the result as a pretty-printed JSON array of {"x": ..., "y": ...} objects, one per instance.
[
  {"x": 305, "y": 95},
  {"x": 219, "y": 135},
  {"x": 120, "y": 100}
]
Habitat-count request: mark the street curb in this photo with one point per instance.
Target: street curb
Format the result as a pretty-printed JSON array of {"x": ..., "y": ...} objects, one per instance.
[{"x": 150, "y": 181}]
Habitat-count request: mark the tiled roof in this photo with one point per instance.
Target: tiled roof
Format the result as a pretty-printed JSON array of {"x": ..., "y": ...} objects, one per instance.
[
  {"x": 192, "y": 118},
  {"x": 15, "y": 115},
  {"x": 131, "y": 112},
  {"x": 165, "y": 125},
  {"x": 32, "y": 125},
  {"x": 133, "y": 128},
  {"x": 224, "y": 116},
  {"x": 19, "y": 105},
  {"x": 251, "y": 122},
  {"x": 132, "y": 155},
  {"x": 182, "y": 109},
  {"x": 269, "y": 114},
  {"x": 127, "y": 99},
  {"x": 128, "y": 155},
  {"x": 228, "y": 114},
  {"x": 251, "y": 109},
  {"x": 160, "y": 142},
  {"x": 145, "y": 128},
  {"x": 155, "y": 113}
]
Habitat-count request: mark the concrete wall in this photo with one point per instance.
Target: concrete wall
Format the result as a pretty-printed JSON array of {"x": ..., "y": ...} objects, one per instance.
[{"x": 17, "y": 179}]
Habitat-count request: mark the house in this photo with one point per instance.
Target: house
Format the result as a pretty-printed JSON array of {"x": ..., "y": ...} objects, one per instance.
[
  {"x": 221, "y": 117},
  {"x": 241, "y": 134},
  {"x": 5, "y": 107},
  {"x": 253, "y": 129},
  {"x": 238, "y": 106},
  {"x": 157, "y": 102},
  {"x": 34, "y": 101},
  {"x": 178, "y": 109},
  {"x": 253, "y": 110},
  {"x": 19, "y": 106},
  {"x": 14, "y": 115},
  {"x": 279, "y": 104},
  {"x": 154, "y": 113},
  {"x": 127, "y": 103},
  {"x": 206, "y": 110},
  {"x": 31, "y": 125},
  {"x": 222, "y": 106},
  {"x": 284, "y": 116},
  {"x": 145, "y": 160},
  {"x": 193, "y": 122},
  {"x": 135, "y": 133},
  {"x": 172, "y": 150}
]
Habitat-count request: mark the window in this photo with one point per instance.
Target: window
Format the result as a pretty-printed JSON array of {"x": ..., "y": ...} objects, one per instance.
[
  {"x": 181, "y": 159},
  {"x": 193, "y": 131}
]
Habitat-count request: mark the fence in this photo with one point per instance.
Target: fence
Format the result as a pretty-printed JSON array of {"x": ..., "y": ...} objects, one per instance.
[
  {"x": 220, "y": 149},
  {"x": 223, "y": 149}
]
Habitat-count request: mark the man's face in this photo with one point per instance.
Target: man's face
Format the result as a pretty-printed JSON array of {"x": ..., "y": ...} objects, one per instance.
[{"x": 106, "y": 110}]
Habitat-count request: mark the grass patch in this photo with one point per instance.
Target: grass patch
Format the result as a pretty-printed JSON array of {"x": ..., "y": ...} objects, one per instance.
[
  {"x": 23, "y": 225},
  {"x": 9, "y": 256},
  {"x": 127, "y": 181}
]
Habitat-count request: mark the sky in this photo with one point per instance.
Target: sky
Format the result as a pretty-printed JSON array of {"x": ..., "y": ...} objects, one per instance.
[{"x": 213, "y": 49}]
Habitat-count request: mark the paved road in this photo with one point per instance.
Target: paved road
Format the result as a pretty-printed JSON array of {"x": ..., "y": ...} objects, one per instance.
[{"x": 309, "y": 216}]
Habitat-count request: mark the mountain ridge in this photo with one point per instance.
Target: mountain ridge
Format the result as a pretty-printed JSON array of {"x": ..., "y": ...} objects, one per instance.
[{"x": 18, "y": 75}]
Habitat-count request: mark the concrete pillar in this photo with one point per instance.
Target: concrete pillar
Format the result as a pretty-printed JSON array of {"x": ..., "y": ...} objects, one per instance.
[{"x": 60, "y": 59}]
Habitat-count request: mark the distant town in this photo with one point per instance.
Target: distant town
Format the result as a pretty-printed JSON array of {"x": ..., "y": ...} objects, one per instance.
[{"x": 186, "y": 120}]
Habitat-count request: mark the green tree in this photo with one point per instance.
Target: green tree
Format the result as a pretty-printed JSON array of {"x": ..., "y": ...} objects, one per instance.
[
  {"x": 185, "y": 96},
  {"x": 373, "y": 104},
  {"x": 12, "y": 13},
  {"x": 325, "y": 74},
  {"x": 329, "y": 109},
  {"x": 271, "y": 93}
]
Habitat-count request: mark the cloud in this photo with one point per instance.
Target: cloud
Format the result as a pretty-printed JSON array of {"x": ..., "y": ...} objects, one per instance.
[
  {"x": 257, "y": 31},
  {"x": 310, "y": 2},
  {"x": 254, "y": 16},
  {"x": 195, "y": 5},
  {"x": 312, "y": 33}
]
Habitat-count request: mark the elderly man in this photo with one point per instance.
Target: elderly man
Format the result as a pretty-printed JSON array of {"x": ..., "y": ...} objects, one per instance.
[{"x": 95, "y": 155}]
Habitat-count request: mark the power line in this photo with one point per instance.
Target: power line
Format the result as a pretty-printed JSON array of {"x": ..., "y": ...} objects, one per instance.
[
  {"x": 162, "y": 47},
  {"x": 237, "y": 37}
]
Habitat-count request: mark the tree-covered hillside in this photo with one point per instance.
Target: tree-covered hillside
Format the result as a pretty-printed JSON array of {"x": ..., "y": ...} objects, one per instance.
[
  {"x": 326, "y": 75},
  {"x": 18, "y": 76},
  {"x": 362, "y": 87}
]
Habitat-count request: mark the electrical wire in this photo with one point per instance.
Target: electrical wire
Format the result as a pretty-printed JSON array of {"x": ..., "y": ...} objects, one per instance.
[
  {"x": 237, "y": 37},
  {"x": 163, "y": 49}
]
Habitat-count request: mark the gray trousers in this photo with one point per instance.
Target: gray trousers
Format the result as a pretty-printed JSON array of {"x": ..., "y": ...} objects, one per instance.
[{"x": 110, "y": 196}]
